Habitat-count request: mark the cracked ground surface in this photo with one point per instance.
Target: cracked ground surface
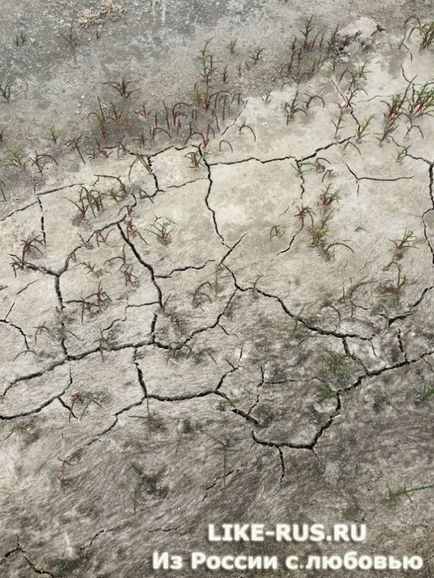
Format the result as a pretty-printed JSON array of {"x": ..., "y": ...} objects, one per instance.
[{"x": 229, "y": 318}]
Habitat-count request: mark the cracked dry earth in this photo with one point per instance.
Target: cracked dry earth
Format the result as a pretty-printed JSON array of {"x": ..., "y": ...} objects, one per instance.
[{"x": 247, "y": 338}]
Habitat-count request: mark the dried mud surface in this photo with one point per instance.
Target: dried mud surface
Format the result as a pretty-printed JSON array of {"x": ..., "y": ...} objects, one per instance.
[{"x": 219, "y": 309}]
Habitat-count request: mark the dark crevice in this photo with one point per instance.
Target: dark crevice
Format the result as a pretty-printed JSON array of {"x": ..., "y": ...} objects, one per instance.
[
  {"x": 18, "y": 211},
  {"x": 210, "y": 209},
  {"x": 43, "y": 405},
  {"x": 186, "y": 268},
  {"x": 146, "y": 265}
]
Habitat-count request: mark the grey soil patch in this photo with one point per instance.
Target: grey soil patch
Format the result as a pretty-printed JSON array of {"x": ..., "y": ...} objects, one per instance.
[{"x": 216, "y": 279}]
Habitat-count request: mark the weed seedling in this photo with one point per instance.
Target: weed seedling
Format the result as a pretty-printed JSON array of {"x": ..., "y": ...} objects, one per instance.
[
  {"x": 196, "y": 159},
  {"x": 200, "y": 295},
  {"x": 122, "y": 87},
  {"x": 293, "y": 107},
  {"x": 40, "y": 161},
  {"x": 20, "y": 39},
  {"x": 425, "y": 30},
  {"x": 306, "y": 34},
  {"x": 318, "y": 234},
  {"x": 348, "y": 295},
  {"x": 89, "y": 199},
  {"x": 100, "y": 297},
  {"x": 91, "y": 268},
  {"x": 420, "y": 101},
  {"x": 6, "y": 90},
  {"x": 81, "y": 210},
  {"x": 227, "y": 143},
  {"x": 336, "y": 364},
  {"x": 321, "y": 167},
  {"x": 105, "y": 343},
  {"x": 96, "y": 300},
  {"x": 401, "y": 246},
  {"x": 338, "y": 121},
  {"x": 362, "y": 129},
  {"x": 303, "y": 213},
  {"x": 150, "y": 483},
  {"x": 402, "y": 154},
  {"x": 311, "y": 98},
  {"x": 391, "y": 289},
  {"x": 276, "y": 231},
  {"x": 132, "y": 230},
  {"x": 224, "y": 445},
  {"x": 394, "y": 496},
  {"x": 245, "y": 126},
  {"x": 327, "y": 198},
  {"x": 125, "y": 268},
  {"x": 395, "y": 108},
  {"x": 2, "y": 190},
  {"x": 328, "y": 393},
  {"x": 101, "y": 119},
  {"x": 425, "y": 395},
  {"x": 30, "y": 246},
  {"x": 53, "y": 135},
  {"x": 266, "y": 98},
  {"x": 139, "y": 158},
  {"x": 70, "y": 37},
  {"x": 85, "y": 400},
  {"x": 14, "y": 157},
  {"x": 57, "y": 332},
  {"x": 255, "y": 55},
  {"x": 74, "y": 144},
  {"x": 161, "y": 228},
  {"x": 232, "y": 45}
]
